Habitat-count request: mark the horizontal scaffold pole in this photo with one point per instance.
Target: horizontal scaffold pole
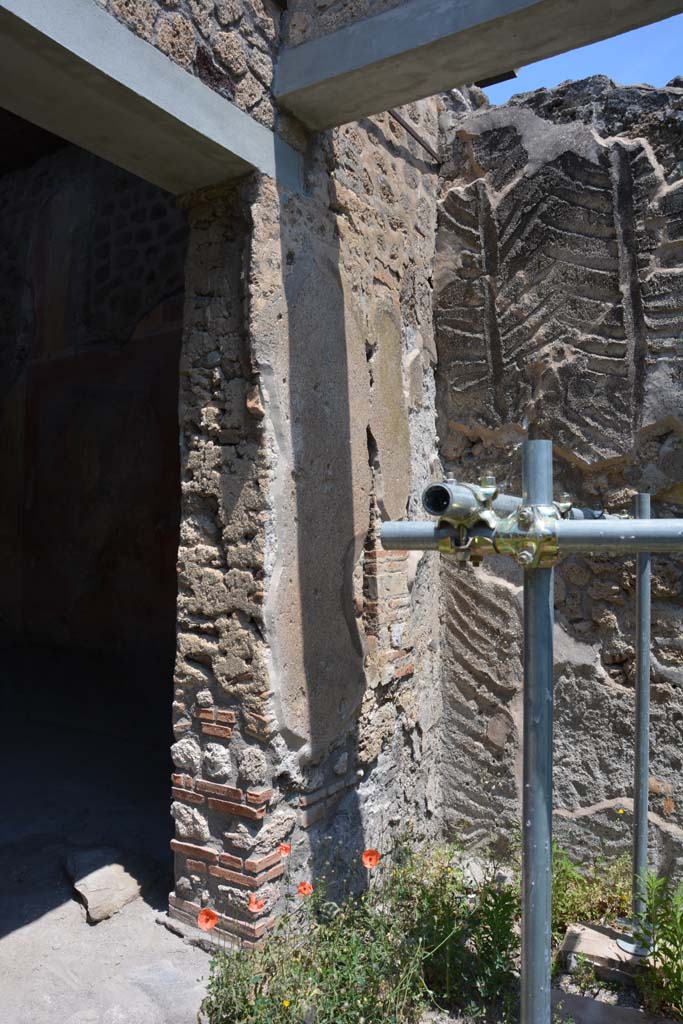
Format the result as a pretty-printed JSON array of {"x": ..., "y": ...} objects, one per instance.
[{"x": 619, "y": 536}]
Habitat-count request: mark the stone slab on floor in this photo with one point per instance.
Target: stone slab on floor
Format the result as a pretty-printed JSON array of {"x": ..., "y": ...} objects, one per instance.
[
  {"x": 600, "y": 947},
  {"x": 108, "y": 879}
]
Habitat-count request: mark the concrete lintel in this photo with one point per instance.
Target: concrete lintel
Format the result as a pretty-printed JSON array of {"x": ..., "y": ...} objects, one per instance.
[
  {"x": 423, "y": 47},
  {"x": 71, "y": 68}
]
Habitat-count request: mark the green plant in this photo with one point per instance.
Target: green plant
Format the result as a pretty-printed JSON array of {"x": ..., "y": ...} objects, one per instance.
[
  {"x": 349, "y": 964},
  {"x": 422, "y": 930},
  {"x": 599, "y": 891},
  {"x": 583, "y": 974},
  {"x": 660, "y": 929},
  {"x": 467, "y": 931}
]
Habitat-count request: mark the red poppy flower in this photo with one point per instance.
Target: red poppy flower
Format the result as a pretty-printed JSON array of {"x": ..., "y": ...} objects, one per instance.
[
  {"x": 305, "y": 889},
  {"x": 370, "y": 858},
  {"x": 285, "y": 849},
  {"x": 255, "y": 905},
  {"x": 207, "y": 919}
]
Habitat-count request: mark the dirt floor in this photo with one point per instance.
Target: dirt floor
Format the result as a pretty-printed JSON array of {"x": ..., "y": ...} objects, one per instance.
[{"x": 68, "y": 789}]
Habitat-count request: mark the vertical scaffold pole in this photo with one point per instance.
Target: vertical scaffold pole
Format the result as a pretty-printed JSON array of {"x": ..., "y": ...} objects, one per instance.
[
  {"x": 642, "y": 762},
  {"x": 537, "y": 801}
]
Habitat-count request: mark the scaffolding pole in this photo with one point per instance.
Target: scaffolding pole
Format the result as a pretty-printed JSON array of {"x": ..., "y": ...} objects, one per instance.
[
  {"x": 535, "y": 533},
  {"x": 537, "y": 486},
  {"x": 642, "y": 759}
]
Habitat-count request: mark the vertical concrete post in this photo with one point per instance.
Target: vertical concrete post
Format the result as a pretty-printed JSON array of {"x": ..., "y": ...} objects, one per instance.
[{"x": 537, "y": 484}]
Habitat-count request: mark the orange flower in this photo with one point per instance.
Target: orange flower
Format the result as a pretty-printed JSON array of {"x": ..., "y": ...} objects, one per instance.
[
  {"x": 207, "y": 919},
  {"x": 255, "y": 905},
  {"x": 285, "y": 849},
  {"x": 370, "y": 858},
  {"x": 305, "y": 889}
]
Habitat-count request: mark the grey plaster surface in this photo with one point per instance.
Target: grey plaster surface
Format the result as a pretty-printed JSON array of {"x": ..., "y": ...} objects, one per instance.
[
  {"x": 423, "y": 47},
  {"x": 73, "y": 69}
]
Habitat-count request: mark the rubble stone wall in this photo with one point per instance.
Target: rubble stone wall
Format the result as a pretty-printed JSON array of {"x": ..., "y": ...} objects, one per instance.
[
  {"x": 559, "y": 312},
  {"x": 307, "y": 700},
  {"x": 228, "y": 44}
]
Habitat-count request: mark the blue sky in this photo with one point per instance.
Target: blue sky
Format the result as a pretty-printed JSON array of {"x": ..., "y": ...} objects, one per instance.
[{"x": 653, "y": 54}]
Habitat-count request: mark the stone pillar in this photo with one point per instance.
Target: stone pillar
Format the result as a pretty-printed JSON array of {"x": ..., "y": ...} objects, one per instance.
[
  {"x": 223, "y": 718},
  {"x": 307, "y": 696}
]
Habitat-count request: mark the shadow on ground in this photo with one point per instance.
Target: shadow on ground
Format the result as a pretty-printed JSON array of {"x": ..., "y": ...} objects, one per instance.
[{"x": 84, "y": 766}]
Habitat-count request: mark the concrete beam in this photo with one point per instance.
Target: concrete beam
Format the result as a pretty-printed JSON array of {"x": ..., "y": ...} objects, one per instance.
[
  {"x": 423, "y": 47},
  {"x": 71, "y": 68}
]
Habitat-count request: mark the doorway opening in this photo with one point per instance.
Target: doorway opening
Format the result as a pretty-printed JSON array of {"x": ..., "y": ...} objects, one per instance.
[{"x": 91, "y": 295}]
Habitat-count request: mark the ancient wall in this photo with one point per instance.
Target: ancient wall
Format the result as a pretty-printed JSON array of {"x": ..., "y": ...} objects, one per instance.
[
  {"x": 307, "y": 696},
  {"x": 228, "y": 44},
  {"x": 558, "y": 308},
  {"x": 306, "y": 687}
]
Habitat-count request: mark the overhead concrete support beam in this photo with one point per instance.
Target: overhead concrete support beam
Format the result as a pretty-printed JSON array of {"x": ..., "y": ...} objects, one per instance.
[
  {"x": 423, "y": 47},
  {"x": 71, "y": 68}
]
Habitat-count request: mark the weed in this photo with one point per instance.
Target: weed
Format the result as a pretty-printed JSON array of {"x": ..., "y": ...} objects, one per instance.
[
  {"x": 597, "y": 892},
  {"x": 660, "y": 929},
  {"x": 423, "y": 932},
  {"x": 583, "y": 975}
]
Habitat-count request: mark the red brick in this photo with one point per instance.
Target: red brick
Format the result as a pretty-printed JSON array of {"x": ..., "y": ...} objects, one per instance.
[
  {"x": 187, "y": 795},
  {"x": 189, "y": 908},
  {"x": 227, "y": 717},
  {"x": 228, "y": 792},
  {"x": 236, "y": 877},
  {"x": 271, "y": 875},
  {"x": 224, "y": 731},
  {"x": 196, "y": 867},
  {"x": 206, "y": 714},
  {"x": 253, "y": 930},
  {"x": 257, "y": 864},
  {"x": 191, "y": 850},
  {"x": 249, "y": 882},
  {"x": 227, "y": 860},
  {"x": 259, "y": 721},
  {"x": 186, "y": 911},
  {"x": 184, "y": 781},
  {"x": 240, "y": 810},
  {"x": 259, "y": 796}
]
